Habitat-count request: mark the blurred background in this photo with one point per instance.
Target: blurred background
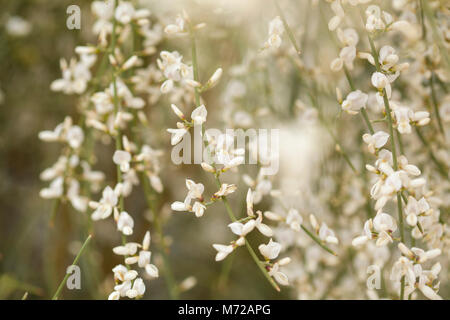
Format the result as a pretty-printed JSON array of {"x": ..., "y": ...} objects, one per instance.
[{"x": 258, "y": 90}]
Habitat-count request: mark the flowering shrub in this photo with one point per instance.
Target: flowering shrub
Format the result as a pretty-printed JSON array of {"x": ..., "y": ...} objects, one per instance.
[{"x": 359, "y": 91}]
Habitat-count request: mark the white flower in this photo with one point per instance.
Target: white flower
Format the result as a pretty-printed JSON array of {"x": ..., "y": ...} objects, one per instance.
[
  {"x": 199, "y": 115},
  {"x": 354, "y": 102},
  {"x": 124, "y": 12},
  {"x": 414, "y": 208},
  {"x": 380, "y": 81},
  {"x": 276, "y": 30},
  {"x": 177, "y": 135},
  {"x": 225, "y": 189},
  {"x": 388, "y": 58},
  {"x": 263, "y": 228},
  {"x": 55, "y": 190},
  {"x": 241, "y": 229},
  {"x": 402, "y": 117},
  {"x": 125, "y": 223},
  {"x": 104, "y": 208},
  {"x": 115, "y": 295},
  {"x": 294, "y": 219},
  {"x": 195, "y": 189},
  {"x": 279, "y": 276},
  {"x": 222, "y": 251},
  {"x": 271, "y": 250},
  {"x": 327, "y": 235},
  {"x": 177, "y": 27},
  {"x": 122, "y": 159},
  {"x": 138, "y": 289},
  {"x": 75, "y": 137},
  {"x": 199, "y": 209},
  {"x": 17, "y": 26},
  {"x": 129, "y": 249},
  {"x": 375, "y": 141}
]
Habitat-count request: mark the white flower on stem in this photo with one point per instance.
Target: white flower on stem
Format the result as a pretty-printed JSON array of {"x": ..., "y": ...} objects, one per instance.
[
  {"x": 55, "y": 189},
  {"x": 225, "y": 190},
  {"x": 199, "y": 114},
  {"x": 199, "y": 209},
  {"x": 214, "y": 78},
  {"x": 276, "y": 29},
  {"x": 75, "y": 137},
  {"x": 384, "y": 225},
  {"x": 403, "y": 267},
  {"x": 380, "y": 81},
  {"x": 123, "y": 288},
  {"x": 263, "y": 228},
  {"x": 327, "y": 235},
  {"x": 242, "y": 229},
  {"x": 129, "y": 249},
  {"x": 195, "y": 189},
  {"x": 403, "y": 117},
  {"x": 180, "y": 206},
  {"x": 338, "y": 17},
  {"x": 177, "y": 111},
  {"x": 115, "y": 295},
  {"x": 124, "y": 12},
  {"x": 387, "y": 57},
  {"x": 107, "y": 203},
  {"x": 122, "y": 159},
  {"x": 294, "y": 219},
  {"x": 348, "y": 37},
  {"x": 137, "y": 290},
  {"x": 177, "y": 135},
  {"x": 125, "y": 223},
  {"x": 421, "y": 118},
  {"x": 375, "y": 141},
  {"x": 177, "y": 27},
  {"x": 222, "y": 251},
  {"x": 415, "y": 208},
  {"x": 275, "y": 272},
  {"x": 355, "y": 101},
  {"x": 249, "y": 203},
  {"x": 271, "y": 250}
]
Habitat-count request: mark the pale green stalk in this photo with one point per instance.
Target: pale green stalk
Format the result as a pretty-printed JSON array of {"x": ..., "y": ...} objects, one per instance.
[
  {"x": 394, "y": 153},
  {"x": 75, "y": 261}
]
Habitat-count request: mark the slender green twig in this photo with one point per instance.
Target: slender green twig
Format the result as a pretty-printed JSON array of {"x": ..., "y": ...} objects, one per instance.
[
  {"x": 317, "y": 240},
  {"x": 441, "y": 168},
  {"x": 437, "y": 36},
  {"x": 75, "y": 261},
  {"x": 247, "y": 244},
  {"x": 309, "y": 233},
  {"x": 168, "y": 275},
  {"x": 288, "y": 29},
  {"x": 394, "y": 152}
]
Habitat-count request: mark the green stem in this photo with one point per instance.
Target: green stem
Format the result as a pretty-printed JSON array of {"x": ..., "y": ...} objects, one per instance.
[
  {"x": 437, "y": 37},
  {"x": 288, "y": 29},
  {"x": 394, "y": 150},
  {"x": 75, "y": 261},
  {"x": 441, "y": 169},
  {"x": 168, "y": 275},
  {"x": 194, "y": 63},
  {"x": 318, "y": 241},
  {"x": 247, "y": 244},
  {"x": 436, "y": 104}
]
